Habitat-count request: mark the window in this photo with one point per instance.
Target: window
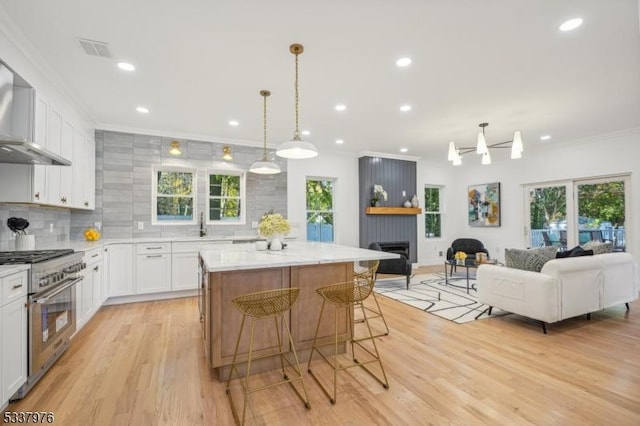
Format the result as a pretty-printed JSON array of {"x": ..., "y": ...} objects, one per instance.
[
  {"x": 174, "y": 196},
  {"x": 567, "y": 213},
  {"x": 432, "y": 215},
  {"x": 226, "y": 198},
  {"x": 320, "y": 209}
]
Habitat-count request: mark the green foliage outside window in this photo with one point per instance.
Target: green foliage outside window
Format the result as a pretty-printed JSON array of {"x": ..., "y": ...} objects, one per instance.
[
  {"x": 319, "y": 210},
  {"x": 225, "y": 198},
  {"x": 603, "y": 202},
  {"x": 432, "y": 216},
  {"x": 174, "y": 200}
]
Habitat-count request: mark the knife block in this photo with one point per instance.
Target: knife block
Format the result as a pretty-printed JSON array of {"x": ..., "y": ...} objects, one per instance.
[{"x": 25, "y": 242}]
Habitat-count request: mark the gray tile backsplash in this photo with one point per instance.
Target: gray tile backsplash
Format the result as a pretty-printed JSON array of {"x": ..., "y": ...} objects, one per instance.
[
  {"x": 123, "y": 186},
  {"x": 50, "y": 225}
]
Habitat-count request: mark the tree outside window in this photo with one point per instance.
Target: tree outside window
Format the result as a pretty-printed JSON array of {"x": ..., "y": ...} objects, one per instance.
[
  {"x": 320, "y": 214},
  {"x": 174, "y": 196},
  {"x": 432, "y": 215},
  {"x": 225, "y": 200}
]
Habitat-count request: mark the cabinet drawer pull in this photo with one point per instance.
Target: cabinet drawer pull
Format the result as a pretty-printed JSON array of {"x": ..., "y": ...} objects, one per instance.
[
  {"x": 17, "y": 286},
  {"x": 95, "y": 255},
  {"x": 154, "y": 248},
  {"x": 37, "y": 195},
  {"x": 154, "y": 255},
  {"x": 96, "y": 268}
]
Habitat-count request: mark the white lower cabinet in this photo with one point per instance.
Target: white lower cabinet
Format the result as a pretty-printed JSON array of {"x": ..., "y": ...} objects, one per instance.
[
  {"x": 13, "y": 329},
  {"x": 89, "y": 290},
  {"x": 153, "y": 273},
  {"x": 184, "y": 271},
  {"x": 119, "y": 269}
]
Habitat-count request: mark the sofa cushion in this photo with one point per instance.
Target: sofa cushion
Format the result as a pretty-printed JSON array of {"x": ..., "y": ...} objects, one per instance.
[
  {"x": 529, "y": 259},
  {"x": 574, "y": 252},
  {"x": 598, "y": 247}
]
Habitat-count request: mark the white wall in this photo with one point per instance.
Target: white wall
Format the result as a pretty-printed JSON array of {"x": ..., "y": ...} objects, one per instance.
[
  {"x": 343, "y": 168},
  {"x": 599, "y": 156}
]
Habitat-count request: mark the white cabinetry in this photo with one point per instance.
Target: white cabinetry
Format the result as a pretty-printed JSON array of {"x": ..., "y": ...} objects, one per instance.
[
  {"x": 184, "y": 263},
  {"x": 13, "y": 327},
  {"x": 89, "y": 290},
  {"x": 63, "y": 186},
  {"x": 120, "y": 269},
  {"x": 153, "y": 267}
]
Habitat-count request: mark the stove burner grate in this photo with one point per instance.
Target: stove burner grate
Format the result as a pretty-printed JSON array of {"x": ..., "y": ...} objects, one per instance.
[{"x": 30, "y": 256}]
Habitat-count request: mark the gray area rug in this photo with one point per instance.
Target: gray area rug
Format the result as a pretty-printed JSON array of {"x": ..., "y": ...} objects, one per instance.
[{"x": 430, "y": 293}]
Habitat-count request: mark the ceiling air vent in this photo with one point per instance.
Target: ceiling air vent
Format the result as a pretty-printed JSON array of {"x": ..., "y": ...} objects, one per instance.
[{"x": 95, "y": 48}]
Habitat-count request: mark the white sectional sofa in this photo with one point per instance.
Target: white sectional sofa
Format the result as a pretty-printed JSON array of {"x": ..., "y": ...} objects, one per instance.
[{"x": 564, "y": 288}]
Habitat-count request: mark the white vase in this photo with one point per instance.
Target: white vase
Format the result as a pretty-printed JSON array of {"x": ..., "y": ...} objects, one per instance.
[
  {"x": 414, "y": 201},
  {"x": 407, "y": 204},
  {"x": 261, "y": 245},
  {"x": 276, "y": 244}
]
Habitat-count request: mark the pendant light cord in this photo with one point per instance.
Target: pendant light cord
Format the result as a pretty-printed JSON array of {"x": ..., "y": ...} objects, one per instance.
[
  {"x": 296, "y": 134},
  {"x": 264, "y": 94}
]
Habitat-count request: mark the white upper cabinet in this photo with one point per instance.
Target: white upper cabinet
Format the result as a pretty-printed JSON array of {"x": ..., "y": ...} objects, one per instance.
[{"x": 62, "y": 186}]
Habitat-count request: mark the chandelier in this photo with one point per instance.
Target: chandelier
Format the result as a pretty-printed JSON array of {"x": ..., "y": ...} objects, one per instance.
[
  {"x": 455, "y": 154},
  {"x": 264, "y": 166},
  {"x": 297, "y": 148}
]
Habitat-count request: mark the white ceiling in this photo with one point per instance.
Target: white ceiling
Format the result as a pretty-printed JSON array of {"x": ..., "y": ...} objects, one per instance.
[{"x": 201, "y": 63}]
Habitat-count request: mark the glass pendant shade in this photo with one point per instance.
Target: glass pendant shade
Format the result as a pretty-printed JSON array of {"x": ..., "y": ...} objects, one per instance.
[
  {"x": 452, "y": 151},
  {"x": 486, "y": 158},
  {"x": 481, "y": 147},
  {"x": 516, "y": 147},
  {"x": 457, "y": 160},
  {"x": 297, "y": 149},
  {"x": 264, "y": 167}
]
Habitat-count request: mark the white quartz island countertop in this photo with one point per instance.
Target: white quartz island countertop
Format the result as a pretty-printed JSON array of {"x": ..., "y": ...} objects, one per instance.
[{"x": 245, "y": 256}]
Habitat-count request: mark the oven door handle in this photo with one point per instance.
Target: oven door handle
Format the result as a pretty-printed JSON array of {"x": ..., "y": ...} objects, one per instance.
[{"x": 46, "y": 297}]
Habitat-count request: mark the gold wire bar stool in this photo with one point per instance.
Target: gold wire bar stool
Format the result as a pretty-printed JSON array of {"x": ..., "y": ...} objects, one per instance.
[
  {"x": 263, "y": 305},
  {"x": 367, "y": 269},
  {"x": 346, "y": 295}
]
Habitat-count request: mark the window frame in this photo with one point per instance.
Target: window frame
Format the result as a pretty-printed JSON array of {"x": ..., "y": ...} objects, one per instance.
[
  {"x": 154, "y": 194},
  {"x": 427, "y": 213},
  {"x": 333, "y": 210},
  {"x": 243, "y": 197}
]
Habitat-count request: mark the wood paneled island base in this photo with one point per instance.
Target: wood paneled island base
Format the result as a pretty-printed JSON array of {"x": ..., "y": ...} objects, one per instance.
[{"x": 224, "y": 319}]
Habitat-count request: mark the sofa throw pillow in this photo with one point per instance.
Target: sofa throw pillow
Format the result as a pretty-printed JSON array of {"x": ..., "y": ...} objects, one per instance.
[
  {"x": 598, "y": 247},
  {"x": 574, "y": 252},
  {"x": 529, "y": 259}
]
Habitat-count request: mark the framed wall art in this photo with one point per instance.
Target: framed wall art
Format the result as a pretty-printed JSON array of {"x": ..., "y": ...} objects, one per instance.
[{"x": 484, "y": 205}]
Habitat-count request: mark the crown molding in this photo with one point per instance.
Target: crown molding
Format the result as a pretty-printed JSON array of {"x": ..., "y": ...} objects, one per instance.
[{"x": 387, "y": 155}]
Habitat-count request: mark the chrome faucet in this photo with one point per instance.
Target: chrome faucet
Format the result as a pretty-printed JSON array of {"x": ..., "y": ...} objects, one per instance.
[{"x": 203, "y": 232}]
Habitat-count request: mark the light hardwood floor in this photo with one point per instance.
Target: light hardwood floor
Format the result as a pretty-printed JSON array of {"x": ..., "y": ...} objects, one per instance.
[{"x": 144, "y": 364}]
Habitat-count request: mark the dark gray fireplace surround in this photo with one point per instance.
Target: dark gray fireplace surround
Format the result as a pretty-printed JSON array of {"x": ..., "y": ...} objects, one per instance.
[{"x": 395, "y": 176}]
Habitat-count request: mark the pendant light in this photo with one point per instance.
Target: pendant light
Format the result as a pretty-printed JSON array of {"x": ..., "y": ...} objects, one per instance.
[
  {"x": 297, "y": 148},
  {"x": 264, "y": 166},
  {"x": 481, "y": 146},
  {"x": 226, "y": 153}
]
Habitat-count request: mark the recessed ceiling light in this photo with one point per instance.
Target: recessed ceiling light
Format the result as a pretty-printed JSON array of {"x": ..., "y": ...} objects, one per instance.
[
  {"x": 306, "y": 132},
  {"x": 339, "y": 141},
  {"x": 404, "y": 149},
  {"x": 126, "y": 66},
  {"x": 403, "y": 62},
  {"x": 341, "y": 107},
  {"x": 545, "y": 137},
  {"x": 233, "y": 123},
  {"x": 405, "y": 108},
  {"x": 142, "y": 110},
  {"x": 571, "y": 24}
]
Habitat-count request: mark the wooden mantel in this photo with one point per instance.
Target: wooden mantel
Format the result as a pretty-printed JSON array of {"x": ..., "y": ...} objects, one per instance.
[{"x": 393, "y": 210}]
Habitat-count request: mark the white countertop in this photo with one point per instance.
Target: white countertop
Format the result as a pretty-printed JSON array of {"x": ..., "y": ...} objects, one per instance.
[
  {"x": 245, "y": 256},
  {"x": 6, "y": 270}
]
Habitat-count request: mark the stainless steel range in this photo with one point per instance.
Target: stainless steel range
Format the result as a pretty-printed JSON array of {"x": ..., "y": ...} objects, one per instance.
[{"x": 52, "y": 312}]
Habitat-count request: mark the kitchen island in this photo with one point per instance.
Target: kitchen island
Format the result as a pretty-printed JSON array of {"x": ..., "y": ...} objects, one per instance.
[{"x": 233, "y": 271}]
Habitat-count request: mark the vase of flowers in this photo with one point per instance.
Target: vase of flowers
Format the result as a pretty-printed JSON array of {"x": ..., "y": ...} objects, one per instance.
[
  {"x": 460, "y": 257},
  {"x": 274, "y": 227},
  {"x": 379, "y": 195}
]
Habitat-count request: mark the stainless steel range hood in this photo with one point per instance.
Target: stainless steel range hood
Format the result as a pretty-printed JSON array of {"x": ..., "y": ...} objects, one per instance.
[
  {"x": 20, "y": 151},
  {"x": 16, "y": 125}
]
